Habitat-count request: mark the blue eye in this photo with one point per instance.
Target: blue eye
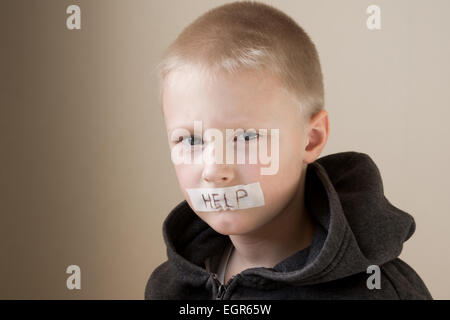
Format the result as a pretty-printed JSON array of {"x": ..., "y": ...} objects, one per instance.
[
  {"x": 247, "y": 136},
  {"x": 192, "y": 140}
]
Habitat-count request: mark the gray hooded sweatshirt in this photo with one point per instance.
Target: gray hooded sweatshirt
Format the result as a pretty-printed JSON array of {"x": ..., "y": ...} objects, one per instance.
[{"x": 353, "y": 254}]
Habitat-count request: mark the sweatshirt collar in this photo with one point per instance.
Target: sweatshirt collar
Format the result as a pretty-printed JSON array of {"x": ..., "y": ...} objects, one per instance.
[{"x": 358, "y": 227}]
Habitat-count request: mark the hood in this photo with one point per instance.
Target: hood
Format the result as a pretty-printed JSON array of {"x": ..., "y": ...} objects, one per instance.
[{"x": 344, "y": 193}]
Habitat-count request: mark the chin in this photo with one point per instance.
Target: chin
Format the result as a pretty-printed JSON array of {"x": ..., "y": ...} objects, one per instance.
[
  {"x": 232, "y": 223},
  {"x": 228, "y": 222}
]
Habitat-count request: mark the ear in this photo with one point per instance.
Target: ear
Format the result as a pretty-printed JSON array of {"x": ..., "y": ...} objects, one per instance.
[{"x": 317, "y": 136}]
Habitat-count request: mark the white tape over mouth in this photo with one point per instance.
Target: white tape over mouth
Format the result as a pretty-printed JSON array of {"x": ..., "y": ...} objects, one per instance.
[{"x": 237, "y": 197}]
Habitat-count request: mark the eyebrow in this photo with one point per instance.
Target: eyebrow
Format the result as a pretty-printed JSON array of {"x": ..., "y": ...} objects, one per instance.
[
  {"x": 190, "y": 128},
  {"x": 245, "y": 125}
]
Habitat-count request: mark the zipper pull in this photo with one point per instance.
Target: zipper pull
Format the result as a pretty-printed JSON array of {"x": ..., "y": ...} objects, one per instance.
[
  {"x": 220, "y": 292},
  {"x": 222, "y": 287}
]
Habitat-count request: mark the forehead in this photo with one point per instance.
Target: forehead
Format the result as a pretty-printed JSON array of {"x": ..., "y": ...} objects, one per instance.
[{"x": 246, "y": 98}]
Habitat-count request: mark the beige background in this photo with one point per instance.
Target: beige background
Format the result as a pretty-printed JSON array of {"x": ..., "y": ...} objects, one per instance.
[{"x": 85, "y": 172}]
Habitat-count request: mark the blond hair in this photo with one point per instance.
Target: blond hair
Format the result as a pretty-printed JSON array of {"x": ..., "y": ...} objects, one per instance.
[{"x": 253, "y": 36}]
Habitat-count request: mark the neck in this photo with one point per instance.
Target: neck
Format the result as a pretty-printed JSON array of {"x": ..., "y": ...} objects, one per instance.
[{"x": 289, "y": 232}]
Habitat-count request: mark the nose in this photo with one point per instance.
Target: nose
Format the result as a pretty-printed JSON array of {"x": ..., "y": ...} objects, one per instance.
[
  {"x": 219, "y": 174},
  {"x": 214, "y": 171}
]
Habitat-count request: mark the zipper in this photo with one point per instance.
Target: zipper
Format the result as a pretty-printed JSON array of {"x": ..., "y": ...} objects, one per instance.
[
  {"x": 220, "y": 292},
  {"x": 222, "y": 289}
]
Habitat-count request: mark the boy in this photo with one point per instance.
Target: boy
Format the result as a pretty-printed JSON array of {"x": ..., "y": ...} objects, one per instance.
[{"x": 302, "y": 228}]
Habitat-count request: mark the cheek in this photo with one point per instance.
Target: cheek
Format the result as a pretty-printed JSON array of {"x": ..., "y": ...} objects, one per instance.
[
  {"x": 188, "y": 175},
  {"x": 280, "y": 188},
  {"x": 291, "y": 155},
  {"x": 247, "y": 173}
]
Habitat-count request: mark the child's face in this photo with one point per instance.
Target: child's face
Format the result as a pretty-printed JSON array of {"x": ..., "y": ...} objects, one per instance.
[{"x": 245, "y": 101}]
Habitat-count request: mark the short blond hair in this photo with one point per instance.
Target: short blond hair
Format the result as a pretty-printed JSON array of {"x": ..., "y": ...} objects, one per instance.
[{"x": 254, "y": 36}]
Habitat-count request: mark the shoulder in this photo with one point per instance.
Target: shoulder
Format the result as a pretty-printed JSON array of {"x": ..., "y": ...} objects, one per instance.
[
  {"x": 405, "y": 280},
  {"x": 158, "y": 281}
]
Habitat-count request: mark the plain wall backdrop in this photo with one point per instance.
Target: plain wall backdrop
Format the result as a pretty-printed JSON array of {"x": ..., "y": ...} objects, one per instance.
[{"x": 85, "y": 170}]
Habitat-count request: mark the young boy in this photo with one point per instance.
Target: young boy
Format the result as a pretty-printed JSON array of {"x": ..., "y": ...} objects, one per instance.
[{"x": 300, "y": 228}]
